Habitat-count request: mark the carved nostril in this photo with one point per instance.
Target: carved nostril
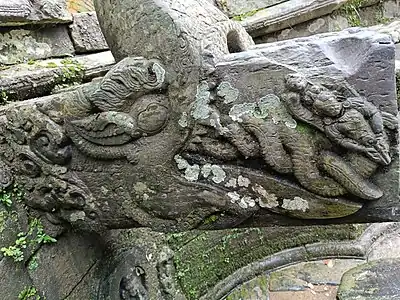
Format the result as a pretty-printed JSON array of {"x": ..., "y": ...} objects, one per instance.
[{"x": 234, "y": 43}]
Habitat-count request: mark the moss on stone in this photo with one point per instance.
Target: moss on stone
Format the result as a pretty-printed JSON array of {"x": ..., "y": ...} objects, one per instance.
[
  {"x": 204, "y": 258},
  {"x": 350, "y": 10},
  {"x": 248, "y": 14}
]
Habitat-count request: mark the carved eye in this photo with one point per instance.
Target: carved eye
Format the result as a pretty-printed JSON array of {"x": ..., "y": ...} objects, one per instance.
[
  {"x": 153, "y": 118},
  {"x": 371, "y": 142}
]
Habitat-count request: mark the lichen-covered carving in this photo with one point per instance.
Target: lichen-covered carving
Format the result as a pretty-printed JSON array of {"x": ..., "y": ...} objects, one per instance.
[{"x": 199, "y": 128}]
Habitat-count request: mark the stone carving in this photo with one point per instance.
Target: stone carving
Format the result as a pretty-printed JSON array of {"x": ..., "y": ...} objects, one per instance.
[{"x": 203, "y": 125}]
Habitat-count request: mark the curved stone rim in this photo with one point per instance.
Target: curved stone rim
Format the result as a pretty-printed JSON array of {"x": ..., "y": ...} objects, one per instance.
[{"x": 317, "y": 251}]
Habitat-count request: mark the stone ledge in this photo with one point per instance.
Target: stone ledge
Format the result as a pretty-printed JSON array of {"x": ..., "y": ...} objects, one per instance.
[
  {"x": 238, "y": 7},
  {"x": 26, "y": 81},
  {"x": 290, "y": 13},
  {"x": 19, "y": 45},
  {"x": 21, "y": 12},
  {"x": 86, "y": 33}
]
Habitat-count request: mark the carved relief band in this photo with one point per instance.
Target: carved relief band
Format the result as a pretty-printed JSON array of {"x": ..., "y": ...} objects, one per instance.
[{"x": 196, "y": 123}]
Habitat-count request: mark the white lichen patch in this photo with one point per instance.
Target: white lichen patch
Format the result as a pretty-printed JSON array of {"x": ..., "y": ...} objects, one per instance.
[
  {"x": 183, "y": 121},
  {"x": 238, "y": 111},
  {"x": 192, "y": 172},
  {"x": 272, "y": 106},
  {"x": 219, "y": 174},
  {"x": 243, "y": 181},
  {"x": 181, "y": 163},
  {"x": 296, "y": 204},
  {"x": 267, "y": 200},
  {"x": 159, "y": 71},
  {"x": 201, "y": 109},
  {"x": 235, "y": 197},
  {"x": 76, "y": 216},
  {"x": 231, "y": 183},
  {"x": 244, "y": 202},
  {"x": 228, "y": 92},
  {"x": 206, "y": 170}
]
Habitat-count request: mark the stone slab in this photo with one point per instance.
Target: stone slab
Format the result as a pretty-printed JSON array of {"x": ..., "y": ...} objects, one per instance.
[
  {"x": 376, "y": 280},
  {"x": 20, "y": 12},
  {"x": 26, "y": 81},
  {"x": 288, "y": 14},
  {"x": 299, "y": 277},
  {"x": 86, "y": 33},
  {"x": 20, "y": 45},
  {"x": 69, "y": 260},
  {"x": 238, "y": 7},
  {"x": 77, "y": 6},
  {"x": 340, "y": 19}
]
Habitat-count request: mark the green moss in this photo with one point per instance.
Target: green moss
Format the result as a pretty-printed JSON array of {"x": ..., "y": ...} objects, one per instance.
[
  {"x": 204, "y": 258},
  {"x": 30, "y": 293},
  {"x": 351, "y": 11},
  {"x": 304, "y": 128},
  {"x": 71, "y": 73},
  {"x": 51, "y": 65},
  {"x": 211, "y": 219},
  {"x": 3, "y": 97},
  {"x": 248, "y": 14},
  {"x": 34, "y": 236}
]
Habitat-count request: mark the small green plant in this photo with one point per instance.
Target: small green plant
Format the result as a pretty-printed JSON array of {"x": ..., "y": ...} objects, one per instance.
[
  {"x": 33, "y": 264},
  {"x": 5, "y": 198},
  {"x": 51, "y": 65},
  {"x": 3, "y": 97},
  {"x": 31, "y": 61},
  {"x": 35, "y": 236},
  {"x": 351, "y": 12},
  {"x": 71, "y": 72},
  {"x": 29, "y": 293},
  {"x": 246, "y": 15}
]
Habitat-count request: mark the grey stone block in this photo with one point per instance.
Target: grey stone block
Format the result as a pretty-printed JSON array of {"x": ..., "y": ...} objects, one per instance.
[
  {"x": 28, "y": 81},
  {"x": 86, "y": 33},
  {"x": 21, "y": 45},
  {"x": 376, "y": 280},
  {"x": 239, "y": 7},
  {"x": 19, "y": 12}
]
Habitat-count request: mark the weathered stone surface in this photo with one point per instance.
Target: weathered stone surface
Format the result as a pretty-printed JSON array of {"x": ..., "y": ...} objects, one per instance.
[
  {"x": 221, "y": 132},
  {"x": 86, "y": 33},
  {"x": 387, "y": 246},
  {"x": 14, "y": 279},
  {"x": 299, "y": 276},
  {"x": 78, "y": 6},
  {"x": 26, "y": 81},
  {"x": 376, "y": 280},
  {"x": 20, "y": 45},
  {"x": 19, "y": 12},
  {"x": 254, "y": 289},
  {"x": 344, "y": 17},
  {"x": 288, "y": 14},
  {"x": 237, "y": 7},
  {"x": 71, "y": 259}
]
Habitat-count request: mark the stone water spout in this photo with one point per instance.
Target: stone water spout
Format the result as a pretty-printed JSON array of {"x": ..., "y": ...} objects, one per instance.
[{"x": 196, "y": 127}]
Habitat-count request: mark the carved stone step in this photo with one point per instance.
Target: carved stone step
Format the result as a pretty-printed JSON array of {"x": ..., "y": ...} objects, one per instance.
[{"x": 26, "y": 81}]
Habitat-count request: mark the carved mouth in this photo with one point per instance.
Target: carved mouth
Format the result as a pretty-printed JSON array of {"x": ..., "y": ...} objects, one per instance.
[{"x": 249, "y": 187}]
